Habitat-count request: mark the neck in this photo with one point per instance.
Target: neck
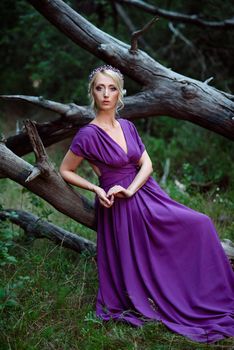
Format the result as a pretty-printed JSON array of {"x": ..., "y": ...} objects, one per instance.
[{"x": 106, "y": 118}]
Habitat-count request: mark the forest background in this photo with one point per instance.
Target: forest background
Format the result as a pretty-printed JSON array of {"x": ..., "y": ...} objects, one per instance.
[{"x": 47, "y": 292}]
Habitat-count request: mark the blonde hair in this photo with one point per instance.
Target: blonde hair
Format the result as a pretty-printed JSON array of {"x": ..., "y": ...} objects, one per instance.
[{"x": 119, "y": 84}]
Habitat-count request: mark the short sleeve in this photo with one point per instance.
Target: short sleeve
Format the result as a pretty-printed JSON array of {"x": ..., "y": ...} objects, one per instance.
[
  {"x": 78, "y": 145},
  {"x": 137, "y": 137}
]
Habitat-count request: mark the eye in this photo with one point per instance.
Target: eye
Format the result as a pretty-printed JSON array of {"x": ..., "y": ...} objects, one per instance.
[
  {"x": 98, "y": 88},
  {"x": 113, "y": 88}
]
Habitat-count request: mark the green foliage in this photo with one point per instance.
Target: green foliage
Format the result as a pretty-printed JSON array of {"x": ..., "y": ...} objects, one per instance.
[
  {"x": 38, "y": 59},
  {"x": 10, "y": 290},
  {"x": 9, "y": 293},
  {"x": 6, "y": 242}
]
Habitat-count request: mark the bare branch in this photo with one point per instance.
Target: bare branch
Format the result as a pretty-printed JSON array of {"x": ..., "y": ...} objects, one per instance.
[
  {"x": 60, "y": 108},
  {"x": 131, "y": 27},
  {"x": 52, "y": 188},
  {"x": 177, "y": 33},
  {"x": 38, "y": 147},
  {"x": 134, "y": 46},
  {"x": 174, "y": 94},
  {"x": 227, "y": 24},
  {"x": 208, "y": 80},
  {"x": 190, "y": 100},
  {"x": 35, "y": 172}
]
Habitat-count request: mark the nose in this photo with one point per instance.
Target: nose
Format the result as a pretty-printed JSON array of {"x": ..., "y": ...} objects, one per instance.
[{"x": 106, "y": 92}]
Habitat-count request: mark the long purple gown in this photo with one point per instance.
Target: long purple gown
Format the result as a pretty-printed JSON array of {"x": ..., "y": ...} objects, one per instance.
[{"x": 157, "y": 259}]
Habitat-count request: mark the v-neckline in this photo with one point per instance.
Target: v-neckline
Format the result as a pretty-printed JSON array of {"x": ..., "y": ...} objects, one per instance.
[{"x": 126, "y": 153}]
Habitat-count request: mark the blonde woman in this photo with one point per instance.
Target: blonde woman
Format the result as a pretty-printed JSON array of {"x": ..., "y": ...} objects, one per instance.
[{"x": 158, "y": 260}]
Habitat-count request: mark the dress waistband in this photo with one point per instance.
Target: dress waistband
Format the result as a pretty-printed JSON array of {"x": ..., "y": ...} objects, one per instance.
[{"x": 113, "y": 175}]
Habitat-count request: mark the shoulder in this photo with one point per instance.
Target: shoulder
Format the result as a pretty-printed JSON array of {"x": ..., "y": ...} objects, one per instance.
[
  {"x": 85, "y": 131},
  {"x": 127, "y": 122},
  {"x": 84, "y": 142}
]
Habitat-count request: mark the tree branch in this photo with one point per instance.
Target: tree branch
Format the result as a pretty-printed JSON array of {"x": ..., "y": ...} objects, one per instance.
[
  {"x": 216, "y": 114},
  {"x": 138, "y": 33},
  {"x": 43, "y": 166},
  {"x": 227, "y": 24},
  {"x": 52, "y": 188},
  {"x": 131, "y": 27},
  {"x": 178, "y": 96}
]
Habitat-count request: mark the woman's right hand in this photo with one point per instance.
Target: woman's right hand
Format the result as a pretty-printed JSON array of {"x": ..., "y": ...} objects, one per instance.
[{"x": 103, "y": 199}]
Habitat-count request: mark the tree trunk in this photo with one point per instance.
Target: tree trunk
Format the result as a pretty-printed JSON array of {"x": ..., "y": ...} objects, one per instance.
[
  {"x": 44, "y": 181},
  {"x": 35, "y": 227},
  {"x": 165, "y": 92}
]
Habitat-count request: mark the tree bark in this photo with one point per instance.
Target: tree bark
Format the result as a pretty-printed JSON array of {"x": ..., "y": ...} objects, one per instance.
[
  {"x": 35, "y": 228},
  {"x": 164, "y": 92},
  {"x": 48, "y": 184}
]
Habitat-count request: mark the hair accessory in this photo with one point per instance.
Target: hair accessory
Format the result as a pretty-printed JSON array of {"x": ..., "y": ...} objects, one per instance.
[{"x": 105, "y": 67}]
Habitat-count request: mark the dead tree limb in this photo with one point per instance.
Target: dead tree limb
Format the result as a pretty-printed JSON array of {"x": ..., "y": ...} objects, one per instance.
[
  {"x": 43, "y": 166},
  {"x": 52, "y": 188},
  {"x": 177, "y": 95},
  {"x": 227, "y": 24},
  {"x": 131, "y": 27},
  {"x": 36, "y": 228},
  {"x": 71, "y": 118},
  {"x": 137, "y": 34},
  {"x": 147, "y": 103}
]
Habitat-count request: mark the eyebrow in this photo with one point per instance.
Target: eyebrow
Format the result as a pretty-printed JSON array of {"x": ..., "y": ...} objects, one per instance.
[{"x": 104, "y": 85}]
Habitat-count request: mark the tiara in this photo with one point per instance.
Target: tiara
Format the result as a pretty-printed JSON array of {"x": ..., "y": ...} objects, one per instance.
[{"x": 105, "y": 67}]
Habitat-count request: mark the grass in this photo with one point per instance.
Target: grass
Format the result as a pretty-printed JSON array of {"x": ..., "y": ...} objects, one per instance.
[
  {"x": 53, "y": 289},
  {"x": 56, "y": 305}
]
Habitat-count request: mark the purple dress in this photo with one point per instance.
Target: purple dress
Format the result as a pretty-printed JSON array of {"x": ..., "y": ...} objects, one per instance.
[{"x": 158, "y": 260}]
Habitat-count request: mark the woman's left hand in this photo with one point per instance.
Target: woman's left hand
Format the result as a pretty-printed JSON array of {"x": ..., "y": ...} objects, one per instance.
[{"x": 119, "y": 191}]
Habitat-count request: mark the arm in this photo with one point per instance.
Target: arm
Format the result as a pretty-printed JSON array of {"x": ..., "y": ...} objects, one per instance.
[
  {"x": 143, "y": 174},
  {"x": 68, "y": 168}
]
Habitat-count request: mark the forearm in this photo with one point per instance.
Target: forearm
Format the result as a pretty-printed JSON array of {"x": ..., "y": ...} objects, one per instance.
[
  {"x": 141, "y": 177},
  {"x": 77, "y": 180}
]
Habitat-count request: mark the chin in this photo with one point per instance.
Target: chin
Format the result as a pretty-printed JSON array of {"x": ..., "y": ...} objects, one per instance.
[{"x": 106, "y": 108}]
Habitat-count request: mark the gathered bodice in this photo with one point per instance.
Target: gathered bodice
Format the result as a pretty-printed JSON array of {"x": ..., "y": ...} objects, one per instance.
[{"x": 111, "y": 176}]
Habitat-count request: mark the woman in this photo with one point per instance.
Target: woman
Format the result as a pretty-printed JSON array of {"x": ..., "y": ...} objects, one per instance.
[{"x": 158, "y": 260}]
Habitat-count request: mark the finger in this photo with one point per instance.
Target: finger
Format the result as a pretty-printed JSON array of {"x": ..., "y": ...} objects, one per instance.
[
  {"x": 111, "y": 196},
  {"x": 104, "y": 203},
  {"x": 106, "y": 200}
]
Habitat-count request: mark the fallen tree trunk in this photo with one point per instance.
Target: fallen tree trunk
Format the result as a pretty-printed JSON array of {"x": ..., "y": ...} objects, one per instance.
[
  {"x": 38, "y": 228},
  {"x": 46, "y": 182},
  {"x": 35, "y": 227},
  {"x": 72, "y": 118},
  {"x": 165, "y": 91}
]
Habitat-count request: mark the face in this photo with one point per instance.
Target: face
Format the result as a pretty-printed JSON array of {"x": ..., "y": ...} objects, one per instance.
[{"x": 105, "y": 92}]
